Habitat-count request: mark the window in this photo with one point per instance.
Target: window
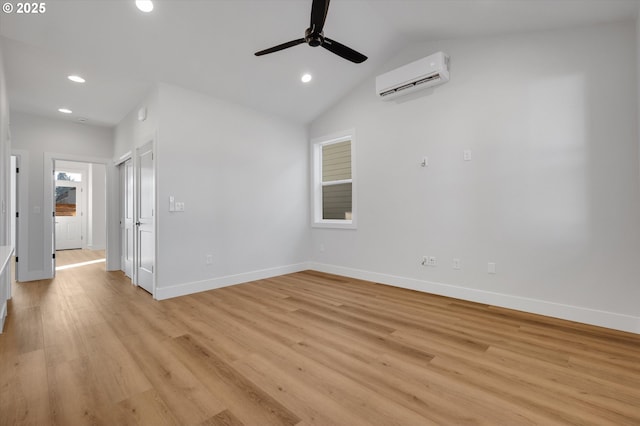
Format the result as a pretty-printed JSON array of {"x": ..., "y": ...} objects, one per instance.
[
  {"x": 66, "y": 193},
  {"x": 65, "y": 201},
  {"x": 69, "y": 176},
  {"x": 334, "y": 200}
]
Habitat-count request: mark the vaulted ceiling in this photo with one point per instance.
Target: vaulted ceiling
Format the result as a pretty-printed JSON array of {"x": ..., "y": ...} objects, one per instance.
[{"x": 208, "y": 46}]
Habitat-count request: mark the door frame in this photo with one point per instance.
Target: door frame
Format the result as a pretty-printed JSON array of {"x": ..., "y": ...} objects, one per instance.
[
  {"x": 22, "y": 221},
  {"x": 48, "y": 210},
  {"x": 122, "y": 194}
]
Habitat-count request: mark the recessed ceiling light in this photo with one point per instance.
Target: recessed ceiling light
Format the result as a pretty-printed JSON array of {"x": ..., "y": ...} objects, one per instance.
[
  {"x": 65, "y": 110},
  {"x": 76, "y": 78},
  {"x": 306, "y": 78},
  {"x": 144, "y": 5}
]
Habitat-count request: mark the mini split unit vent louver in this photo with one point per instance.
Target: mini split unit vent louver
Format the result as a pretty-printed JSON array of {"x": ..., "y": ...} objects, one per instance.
[{"x": 423, "y": 73}]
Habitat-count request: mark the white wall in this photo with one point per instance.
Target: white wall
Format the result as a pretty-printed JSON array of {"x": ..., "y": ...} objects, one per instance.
[
  {"x": 243, "y": 178},
  {"x": 97, "y": 220},
  {"x": 131, "y": 133},
  {"x": 552, "y": 192},
  {"x": 40, "y": 136},
  {"x": 5, "y": 193}
]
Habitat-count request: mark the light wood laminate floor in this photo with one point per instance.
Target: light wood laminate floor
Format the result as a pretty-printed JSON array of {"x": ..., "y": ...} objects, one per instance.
[
  {"x": 301, "y": 349},
  {"x": 70, "y": 257}
]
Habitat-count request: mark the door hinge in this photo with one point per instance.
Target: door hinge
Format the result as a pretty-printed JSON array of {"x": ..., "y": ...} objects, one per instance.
[
  {"x": 17, "y": 214},
  {"x": 54, "y": 255},
  {"x": 53, "y": 214},
  {"x": 16, "y": 259},
  {"x": 17, "y": 169}
]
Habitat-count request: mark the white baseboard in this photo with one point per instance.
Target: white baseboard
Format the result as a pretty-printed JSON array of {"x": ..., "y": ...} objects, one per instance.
[
  {"x": 3, "y": 315},
  {"x": 557, "y": 310},
  {"x": 162, "y": 293}
]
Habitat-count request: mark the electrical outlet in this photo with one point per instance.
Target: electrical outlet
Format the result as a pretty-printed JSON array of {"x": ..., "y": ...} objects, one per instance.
[
  {"x": 467, "y": 155},
  {"x": 456, "y": 264},
  {"x": 491, "y": 268},
  {"x": 208, "y": 259},
  {"x": 432, "y": 261},
  {"x": 179, "y": 206}
]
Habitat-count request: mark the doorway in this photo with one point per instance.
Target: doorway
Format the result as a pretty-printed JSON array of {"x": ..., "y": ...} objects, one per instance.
[
  {"x": 79, "y": 207},
  {"x": 127, "y": 219},
  {"x": 137, "y": 217},
  {"x": 14, "y": 212},
  {"x": 145, "y": 217}
]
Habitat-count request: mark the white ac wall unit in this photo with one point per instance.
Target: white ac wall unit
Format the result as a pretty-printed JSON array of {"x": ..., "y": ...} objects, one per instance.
[{"x": 426, "y": 72}]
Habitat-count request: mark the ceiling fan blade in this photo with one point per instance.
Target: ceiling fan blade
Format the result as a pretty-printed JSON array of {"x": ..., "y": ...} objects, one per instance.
[
  {"x": 280, "y": 47},
  {"x": 343, "y": 51},
  {"x": 319, "y": 10}
]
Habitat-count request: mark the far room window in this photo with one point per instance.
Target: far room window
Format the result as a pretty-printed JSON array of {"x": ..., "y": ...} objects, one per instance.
[{"x": 334, "y": 200}]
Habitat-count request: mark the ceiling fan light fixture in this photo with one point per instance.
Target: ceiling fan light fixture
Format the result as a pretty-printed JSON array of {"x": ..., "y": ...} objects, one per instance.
[
  {"x": 144, "y": 5},
  {"x": 306, "y": 78}
]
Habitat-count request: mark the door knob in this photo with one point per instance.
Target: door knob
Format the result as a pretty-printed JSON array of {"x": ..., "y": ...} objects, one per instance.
[{"x": 138, "y": 223}]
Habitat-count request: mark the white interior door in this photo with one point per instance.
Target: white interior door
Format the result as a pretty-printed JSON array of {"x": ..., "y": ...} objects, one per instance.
[
  {"x": 69, "y": 215},
  {"x": 127, "y": 218},
  {"x": 145, "y": 253}
]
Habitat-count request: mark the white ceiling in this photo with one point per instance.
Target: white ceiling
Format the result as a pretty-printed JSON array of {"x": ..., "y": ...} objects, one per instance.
[{"x": 208, "y": 46}]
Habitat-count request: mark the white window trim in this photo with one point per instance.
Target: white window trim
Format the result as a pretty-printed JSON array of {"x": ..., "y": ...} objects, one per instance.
[{"x": 316, "y": 181}]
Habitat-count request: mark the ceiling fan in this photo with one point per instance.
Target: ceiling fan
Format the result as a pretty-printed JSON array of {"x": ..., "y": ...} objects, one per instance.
[{"x": 314, "y": 36}]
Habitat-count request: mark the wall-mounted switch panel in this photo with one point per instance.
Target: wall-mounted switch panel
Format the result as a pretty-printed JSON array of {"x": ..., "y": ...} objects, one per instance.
[{"x": 491, "y": 268}]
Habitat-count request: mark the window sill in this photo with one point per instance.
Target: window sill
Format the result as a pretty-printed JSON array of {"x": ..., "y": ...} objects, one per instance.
[{"x": 335, "y": 224}]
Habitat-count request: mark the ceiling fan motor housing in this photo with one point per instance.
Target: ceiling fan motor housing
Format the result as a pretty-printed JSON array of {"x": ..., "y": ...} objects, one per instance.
[{"x": 312, "y": 38}]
